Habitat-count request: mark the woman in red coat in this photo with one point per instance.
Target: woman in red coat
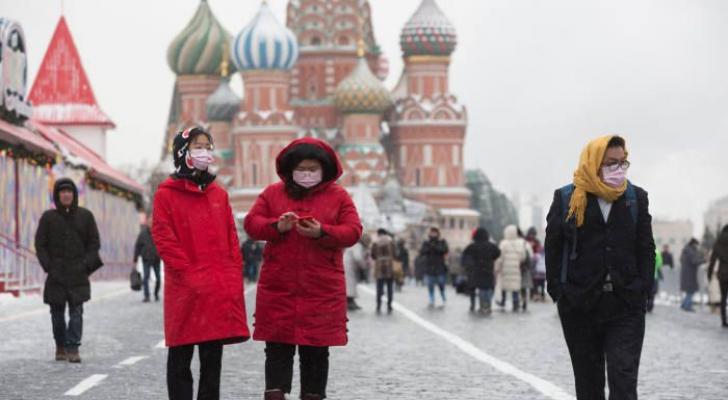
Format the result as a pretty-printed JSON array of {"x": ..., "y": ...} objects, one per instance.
[
  {"x": 195, "y": 235},
  {"x": 307, "y": 220}
]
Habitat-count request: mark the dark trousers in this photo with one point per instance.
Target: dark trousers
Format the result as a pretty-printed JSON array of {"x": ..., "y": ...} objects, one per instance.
[
  {"x": 68, "y": 336},
  {"x": 179, "y": 375},
  {"x": 380, "y": 291},
  {"x": 723, "y": 297},
  {"x": 612, "y": 333},
  {"x": 314, "y": 365},
  {"x": 145, "y": 282}
]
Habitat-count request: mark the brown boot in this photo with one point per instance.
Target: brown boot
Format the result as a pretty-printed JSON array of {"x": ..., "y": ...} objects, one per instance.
[
  {"x": 73, "y": 357},
  {"x": 310, "y": 396},
  {"x": 275, "y": 394},
  {"x": 60, "y": 353}
]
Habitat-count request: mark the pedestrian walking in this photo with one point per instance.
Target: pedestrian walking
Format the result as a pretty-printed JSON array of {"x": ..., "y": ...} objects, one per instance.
[
  {"x": 402, "y": 255},
  {"x": 690, "y": 261},
  {"x": 67, "y": 246},
  {"x": 600, "y": 263},
  {"x": 667, "y": 258},
  {"x": 145, "y": 248},
  {"x": 355, "y": 259},
  {"x": 526, "y": 269},
  {"x": 307, "y": 220},
  {"x": 382, "y": 252},
  {"x": 433, "y": 252},
  {"x": 513, "y": 258},
  {"x": 538, "y": 266},
  {"x": 195, "y": 234},
  {"x": 720, "y": 257},
  {"x": 252, "y": 257},
  {"x": 478, "y": 261}
]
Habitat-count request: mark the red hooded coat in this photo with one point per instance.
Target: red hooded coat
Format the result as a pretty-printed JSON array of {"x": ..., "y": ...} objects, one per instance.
[
  {"x": 195, "y": 235},
  {"x": 302, "y": 291}
]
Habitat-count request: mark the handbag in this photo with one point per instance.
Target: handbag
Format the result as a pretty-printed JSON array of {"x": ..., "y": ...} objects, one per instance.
[{"x": 135, "y": 280}]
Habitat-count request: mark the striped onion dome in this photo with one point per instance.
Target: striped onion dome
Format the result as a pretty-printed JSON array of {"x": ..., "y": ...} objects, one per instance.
[
  {"x": 265, "y": 43},
  {"x": 362, "y": 92},
  {"x": 428, "y": 32},
  {"x": 198, "y": 49}
]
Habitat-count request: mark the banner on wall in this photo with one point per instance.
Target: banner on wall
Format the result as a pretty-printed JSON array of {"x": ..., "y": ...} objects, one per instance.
[{"x": 13, "y": 71}]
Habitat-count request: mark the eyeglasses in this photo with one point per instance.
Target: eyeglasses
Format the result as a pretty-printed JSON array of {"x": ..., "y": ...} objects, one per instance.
[{"x": 624, "y": 165}]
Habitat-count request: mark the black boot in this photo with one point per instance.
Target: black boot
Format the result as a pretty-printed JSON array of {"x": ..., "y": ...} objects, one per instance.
[{"x": 275, "y": 394}]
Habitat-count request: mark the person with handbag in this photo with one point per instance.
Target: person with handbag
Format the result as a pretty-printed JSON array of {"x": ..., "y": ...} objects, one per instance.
[
  {"x": 67, "y": 245},
  {"x": 307, "y": 220},
  {"x": 196, "y": 237},
  {"x": 145, "y": 248},
  {"x": 382, "y": 253}
]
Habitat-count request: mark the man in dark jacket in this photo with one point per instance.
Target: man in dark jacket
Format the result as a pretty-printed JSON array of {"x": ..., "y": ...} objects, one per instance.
[
  {"x": 600, "y": 261},
  {"x": 690, "y": 260},
  {"x": 67, "y": 245},
  {"x": 478, "y": 260},
  {"x": 667, "y": 258},
  {"x": 146, "y": 249},
  {"x": 433, "y": 252},
  {"x": 720, "y": 257}
]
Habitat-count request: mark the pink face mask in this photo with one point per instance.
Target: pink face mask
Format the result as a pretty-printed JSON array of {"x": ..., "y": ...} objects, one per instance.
[
  {"x": 613, "y": 179},
  {"x": 307, "y": 179},
  {"x": 201, "y": 158}
]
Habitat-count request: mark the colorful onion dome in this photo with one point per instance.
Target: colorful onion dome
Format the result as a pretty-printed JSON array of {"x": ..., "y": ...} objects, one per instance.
[
  {"x": 362, "y": 92},
  {"x": 198, "y": 49},
  {"x": 428, "y": 32},
  {"x": 223, "y": 103},
  {"x": 265, "y": 43}
]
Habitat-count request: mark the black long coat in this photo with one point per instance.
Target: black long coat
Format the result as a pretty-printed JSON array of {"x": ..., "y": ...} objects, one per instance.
[
  {"x": 690, "y": 261},
  {"x": 67, "y": 245},
  {"x": 622, "y": 247},
  {"x": 433, "y": 252},
  {"x": 720, "y": 257},
  {"x": 478, "y": 260}
]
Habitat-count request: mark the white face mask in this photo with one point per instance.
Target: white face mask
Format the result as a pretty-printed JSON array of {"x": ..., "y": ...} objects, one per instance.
[
  {"x": 614, "y": 178},
  {"x": 307, "y": 179},
  {"x": 201, "y": 158}
]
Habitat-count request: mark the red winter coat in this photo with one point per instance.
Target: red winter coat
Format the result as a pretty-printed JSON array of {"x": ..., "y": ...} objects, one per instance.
[
  {"x": 195, "y": 235},
  {"x": 302, "y": 291}
]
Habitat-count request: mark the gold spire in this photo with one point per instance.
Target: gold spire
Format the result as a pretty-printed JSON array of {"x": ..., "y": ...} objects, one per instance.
[
  {"x": 360, "y": 44},
  {"x": 360, "y": 48},
  {"x": 224, "y": 68}
]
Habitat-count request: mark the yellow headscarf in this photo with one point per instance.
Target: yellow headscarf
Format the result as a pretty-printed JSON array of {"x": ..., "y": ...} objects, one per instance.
[{"x": 586, "y": 179}]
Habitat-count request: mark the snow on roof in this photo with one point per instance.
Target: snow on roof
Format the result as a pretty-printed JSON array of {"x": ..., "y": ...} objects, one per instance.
[
  {"x": 63, "y": 85},
  {"x": 19, "y": 135}
]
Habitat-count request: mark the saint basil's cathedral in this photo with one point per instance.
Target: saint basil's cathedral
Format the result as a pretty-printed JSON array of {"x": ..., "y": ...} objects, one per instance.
[{"x": 321, "y": 74}]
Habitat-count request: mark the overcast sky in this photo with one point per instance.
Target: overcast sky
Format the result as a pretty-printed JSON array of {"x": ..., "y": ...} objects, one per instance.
[{"x": 539, "y": 78}]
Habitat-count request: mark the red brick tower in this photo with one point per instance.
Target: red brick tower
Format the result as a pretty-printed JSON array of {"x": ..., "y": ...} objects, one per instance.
[
  {"x": 427, "y": 124},
  {"x": 327, "y": 32},
  {"x": 264, "y": 51}
]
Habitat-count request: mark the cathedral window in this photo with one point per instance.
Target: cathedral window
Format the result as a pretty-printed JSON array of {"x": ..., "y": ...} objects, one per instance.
[{"x": 315, "y": 41}]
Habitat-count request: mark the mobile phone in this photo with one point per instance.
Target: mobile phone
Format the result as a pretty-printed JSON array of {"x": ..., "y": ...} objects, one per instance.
[{"x": 305, "y": 218}]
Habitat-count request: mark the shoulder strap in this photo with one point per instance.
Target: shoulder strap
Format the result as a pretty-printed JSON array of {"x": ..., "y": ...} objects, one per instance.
[{"x": 566, "y": 193}]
